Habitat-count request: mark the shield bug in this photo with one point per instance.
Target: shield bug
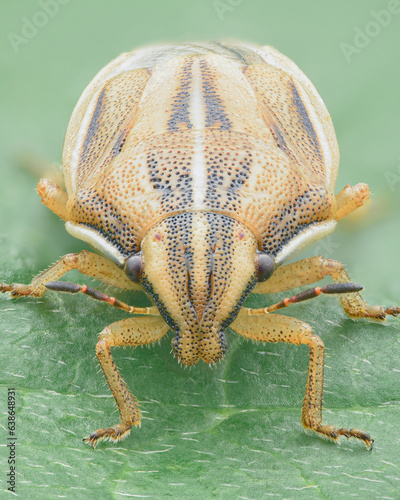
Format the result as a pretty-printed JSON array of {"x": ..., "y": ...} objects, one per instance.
[{"x": 195, "y": 171}]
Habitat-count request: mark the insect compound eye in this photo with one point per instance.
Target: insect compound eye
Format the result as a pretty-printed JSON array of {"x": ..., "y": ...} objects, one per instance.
[
  {"x": 265, "y": 266},
  {"x": 134, "y": 267}
]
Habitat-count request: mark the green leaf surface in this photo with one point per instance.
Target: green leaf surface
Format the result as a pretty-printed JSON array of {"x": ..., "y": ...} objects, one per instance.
[{"x": 232, "y": 430}]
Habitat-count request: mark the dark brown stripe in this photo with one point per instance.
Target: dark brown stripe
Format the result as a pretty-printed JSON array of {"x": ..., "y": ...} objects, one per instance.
[
  {"x": 181, "y": 101},
  {"x": 304, "y": 118},
  {"x": 214, "y": 107}
]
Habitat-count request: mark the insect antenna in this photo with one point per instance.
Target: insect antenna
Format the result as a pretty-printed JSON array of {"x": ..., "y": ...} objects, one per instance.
[
  {"x": 68, "y": 287},
  {"x": 330, "y": 289}
]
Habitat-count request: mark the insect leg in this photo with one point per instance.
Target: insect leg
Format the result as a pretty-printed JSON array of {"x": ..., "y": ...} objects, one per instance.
[
  {"x": 88, "y": 263},
  {"x": 128, "y": 332},
  {"x": 350, "y": 198},
  {"x": 307, "y": 271},
  {"x": 278, "y": 328},
  {"x": 53, "y": 197}
]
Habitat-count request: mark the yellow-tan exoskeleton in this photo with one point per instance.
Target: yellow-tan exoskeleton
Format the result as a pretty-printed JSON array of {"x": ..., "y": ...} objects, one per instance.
[{"x": 195, "y": 171}]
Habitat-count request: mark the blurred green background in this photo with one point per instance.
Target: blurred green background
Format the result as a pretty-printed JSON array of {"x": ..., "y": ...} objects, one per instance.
[{"x": 232, "y": 431}]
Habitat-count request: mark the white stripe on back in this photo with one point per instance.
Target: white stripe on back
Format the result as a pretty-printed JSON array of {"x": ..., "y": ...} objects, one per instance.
[{"x": 198, "y": 119}]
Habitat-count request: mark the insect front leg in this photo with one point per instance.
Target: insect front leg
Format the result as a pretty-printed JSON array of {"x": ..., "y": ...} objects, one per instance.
[
  {"x": 87, "y": 263},
  {"x": 307, "y": 271},
  {"x": 350, "y": 198},
  {"x": 53, "y": 197},
  {"x": 128, "y": 332},
  {"x": 277, "y": 328}
]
